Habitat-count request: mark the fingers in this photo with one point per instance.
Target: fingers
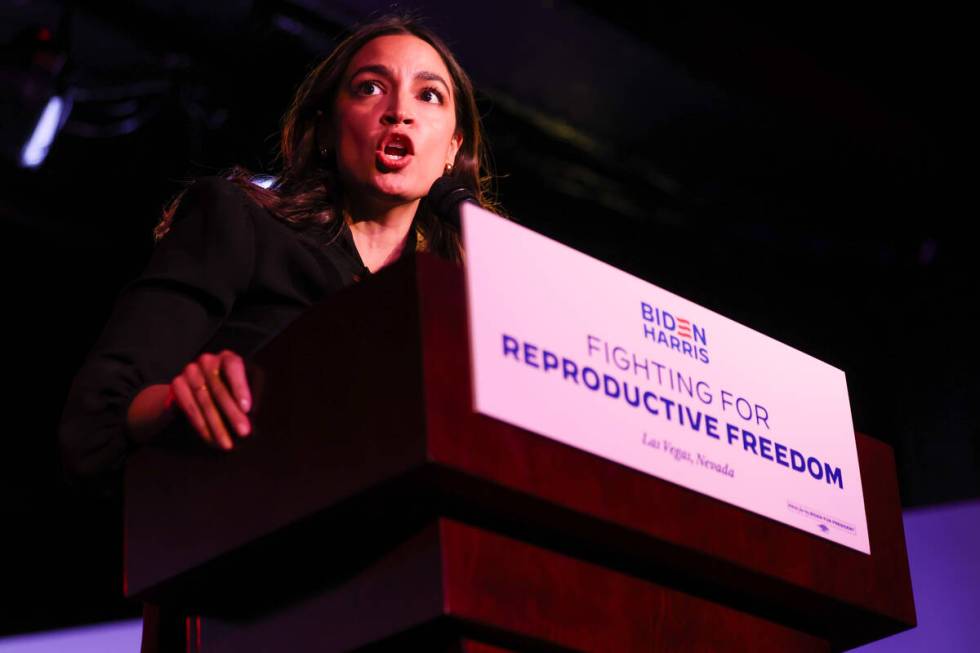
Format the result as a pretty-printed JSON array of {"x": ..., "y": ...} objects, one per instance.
[
  {"x": 202, "y": 394},
  {"x": 229, "y": 406},
  {"x": 201, "y": 384},
  {"x": 233, "y": 368},
  {"x": 185, "y": 400}
]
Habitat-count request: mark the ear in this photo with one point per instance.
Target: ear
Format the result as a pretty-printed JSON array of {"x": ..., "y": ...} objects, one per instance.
[{"x": 454, "y": 144}]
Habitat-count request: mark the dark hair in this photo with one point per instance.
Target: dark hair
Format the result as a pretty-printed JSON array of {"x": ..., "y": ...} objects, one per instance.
[{"x": 308, "y": 188}]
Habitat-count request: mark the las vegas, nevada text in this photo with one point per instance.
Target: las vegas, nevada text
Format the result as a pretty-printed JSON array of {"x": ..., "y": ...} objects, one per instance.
[{"x": 639, "y": 397}]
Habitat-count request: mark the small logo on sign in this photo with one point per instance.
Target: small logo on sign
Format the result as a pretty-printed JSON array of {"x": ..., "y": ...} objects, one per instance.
[{"x": 674, "y": 332}]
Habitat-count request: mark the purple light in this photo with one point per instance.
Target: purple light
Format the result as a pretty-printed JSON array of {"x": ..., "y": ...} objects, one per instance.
[
  {"x": 943, "y": 543},
  {"x": 114, "y": 637}
]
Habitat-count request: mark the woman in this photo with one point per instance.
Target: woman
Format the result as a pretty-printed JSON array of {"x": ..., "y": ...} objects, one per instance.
[{"x": 368, "y": 132}]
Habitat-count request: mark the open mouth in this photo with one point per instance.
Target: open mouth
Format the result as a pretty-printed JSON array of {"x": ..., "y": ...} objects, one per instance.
[
  {"x": 394, "y": 151},
  {"x": 392, "y": 161}
]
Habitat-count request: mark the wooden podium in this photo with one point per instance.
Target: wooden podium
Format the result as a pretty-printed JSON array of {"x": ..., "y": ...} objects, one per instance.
[{"x": 372, "y": 510}]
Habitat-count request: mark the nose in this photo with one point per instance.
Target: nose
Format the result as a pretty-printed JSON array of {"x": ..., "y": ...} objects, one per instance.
[
  {"x": 394, "y": 116},
  {"x": 396, "y": 111}
]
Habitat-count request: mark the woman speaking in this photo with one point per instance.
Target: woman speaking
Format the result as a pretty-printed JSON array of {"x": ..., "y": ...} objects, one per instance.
[{"x": 369, "y": 131}]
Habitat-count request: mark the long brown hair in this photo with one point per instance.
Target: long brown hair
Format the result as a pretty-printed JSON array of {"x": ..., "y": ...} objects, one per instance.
[{"x": 308, "y": 190}]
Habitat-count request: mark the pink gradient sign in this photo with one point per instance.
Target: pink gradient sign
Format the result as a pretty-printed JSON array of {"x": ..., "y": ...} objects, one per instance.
[{"x": 578, "y": 351}]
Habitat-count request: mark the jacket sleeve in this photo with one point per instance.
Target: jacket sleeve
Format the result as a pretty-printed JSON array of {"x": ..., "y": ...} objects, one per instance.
[{"x": 159, "y": 323}]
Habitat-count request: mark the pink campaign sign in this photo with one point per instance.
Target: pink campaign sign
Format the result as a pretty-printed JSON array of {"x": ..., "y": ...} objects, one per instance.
[{"x": 576, "y": 350}]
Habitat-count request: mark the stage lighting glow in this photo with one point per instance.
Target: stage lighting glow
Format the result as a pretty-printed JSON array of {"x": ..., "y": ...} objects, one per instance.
[
  {"x": 40, "y": 141},
  {"x": 263, "y": 181},
  {"x": 111, "y": 637}
]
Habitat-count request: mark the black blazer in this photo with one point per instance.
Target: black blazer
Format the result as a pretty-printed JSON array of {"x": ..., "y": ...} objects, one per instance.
[{"x": 228, "y": 275}]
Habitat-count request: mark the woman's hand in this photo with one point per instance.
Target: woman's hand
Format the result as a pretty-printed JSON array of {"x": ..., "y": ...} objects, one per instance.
[{"x": 212, "y": 391}]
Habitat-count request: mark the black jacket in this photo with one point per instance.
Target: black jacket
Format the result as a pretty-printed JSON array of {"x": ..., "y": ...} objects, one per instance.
[{"x": 228, "y": 275}]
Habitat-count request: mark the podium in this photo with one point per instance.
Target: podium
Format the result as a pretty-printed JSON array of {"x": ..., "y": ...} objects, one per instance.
[{"x": 371, "y": 509}]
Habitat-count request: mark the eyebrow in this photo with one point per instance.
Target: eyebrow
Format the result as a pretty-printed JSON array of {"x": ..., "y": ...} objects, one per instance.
[{"x": 381, "y": 69}]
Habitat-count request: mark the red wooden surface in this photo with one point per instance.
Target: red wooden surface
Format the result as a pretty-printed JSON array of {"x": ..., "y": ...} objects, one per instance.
[
  {"x": 363, "y": 418},
  {"x": 337, "y": 410},
  {"x": 525, "y": 590},
  {"x": 469, "y": 646},
  {"x": 451, "y": 582},
  {"x": 727, "y": 551}
]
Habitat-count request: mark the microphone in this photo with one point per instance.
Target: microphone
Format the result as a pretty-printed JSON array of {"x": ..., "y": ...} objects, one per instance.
[{"x": 445, "y": 198}]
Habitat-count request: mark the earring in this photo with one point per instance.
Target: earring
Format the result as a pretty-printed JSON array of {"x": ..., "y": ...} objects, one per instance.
[{"x": 448, "y": 170}]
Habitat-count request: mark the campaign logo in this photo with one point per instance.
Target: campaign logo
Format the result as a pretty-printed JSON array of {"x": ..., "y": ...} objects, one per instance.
[{"x": 674, "y": 332}]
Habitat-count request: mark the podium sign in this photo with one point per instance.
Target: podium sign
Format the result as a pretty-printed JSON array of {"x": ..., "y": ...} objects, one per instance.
[{"x": 578, "y": 351}]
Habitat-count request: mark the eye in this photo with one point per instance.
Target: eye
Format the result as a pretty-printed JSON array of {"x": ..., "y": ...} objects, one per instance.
[
  {"x": 369, "y": 83},
  {"x": 430, "y": 91}
]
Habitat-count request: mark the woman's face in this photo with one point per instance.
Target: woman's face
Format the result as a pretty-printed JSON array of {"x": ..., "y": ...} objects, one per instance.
[{"x": 394, "y": 121}]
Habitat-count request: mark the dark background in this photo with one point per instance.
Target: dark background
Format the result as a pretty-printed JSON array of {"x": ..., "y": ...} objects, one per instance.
[{"x": 802, "y": 171}]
